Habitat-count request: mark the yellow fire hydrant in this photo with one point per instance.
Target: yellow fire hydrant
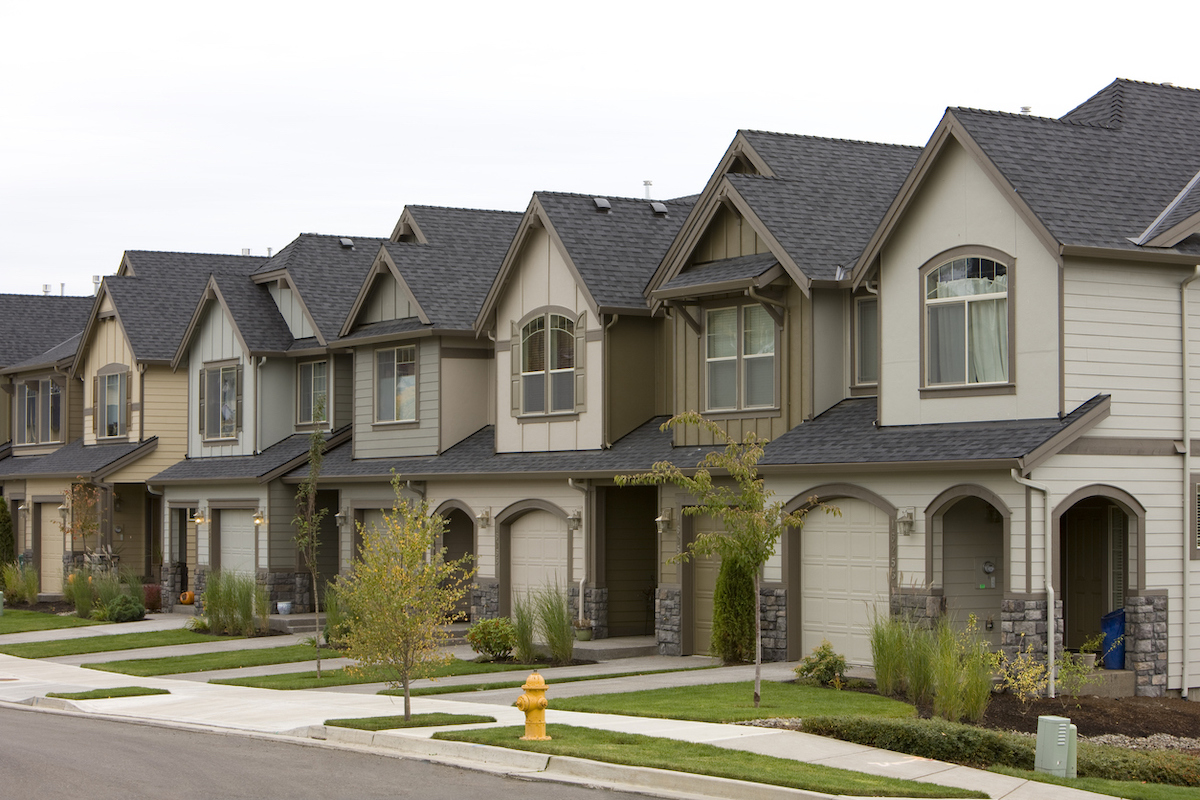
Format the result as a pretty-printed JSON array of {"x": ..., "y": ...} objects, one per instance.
[{"x": 534, "y": 703}]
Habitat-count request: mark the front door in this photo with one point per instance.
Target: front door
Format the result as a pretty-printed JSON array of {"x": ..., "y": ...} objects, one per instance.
[{"x": 1092, "y": 570}]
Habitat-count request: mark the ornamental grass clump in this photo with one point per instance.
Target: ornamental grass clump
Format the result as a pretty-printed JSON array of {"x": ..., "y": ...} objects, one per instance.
[
  {"x": 79, "y": 592},
  {"x": 235, "y": 604},
  {"x": 553, "y": 612},
  {"x": 889, "y": 655},
  {"x": 524, "y": 620}
]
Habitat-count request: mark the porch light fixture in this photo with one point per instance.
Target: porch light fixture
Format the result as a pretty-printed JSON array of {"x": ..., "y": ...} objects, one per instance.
[
  {"x": 198, "y": 517},
  {"x": 63, "y": 511},
  {"x": 340, "y": 518},
  {"x": 484, "y": 518},
  {"x": 904, "y": 521},
  {"x": 259, "y": 517},
  {"x": 575, "y": 520},
  {"x": 665, "y": 521}
]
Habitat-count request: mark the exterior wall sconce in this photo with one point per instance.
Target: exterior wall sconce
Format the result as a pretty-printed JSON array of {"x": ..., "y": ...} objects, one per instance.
[
  {"x": 198, "y": 517},
  {"x": 62, "y": 512},
  {"x": 905, "y": 518},
  {"x": 575, "y": 520},
  {"x": 484, "y": 518},
  {"x": 259, "y": 518},
  {"x": 23, "y": 509},
  {"x": 665, "y": 522},
  {"x": 340, "y": 518}
]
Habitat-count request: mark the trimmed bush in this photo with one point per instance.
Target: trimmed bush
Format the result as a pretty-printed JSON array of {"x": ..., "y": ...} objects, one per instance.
[
  {"x": 823, "y": 667},
  {"x": 494, "y": 638},
  {"x": 734, "y": 607},
  {"x": 124, "y": 608}
]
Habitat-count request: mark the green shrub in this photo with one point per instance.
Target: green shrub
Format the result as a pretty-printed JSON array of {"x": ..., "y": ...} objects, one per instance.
[
  {"x": 107, "y": 587},
  {"x": 553, "y": 612},
  {"x": 124, "y": 608},
  {"x": 494, "y": 638},
  {"x": 79, "y": 591},
  {"x": 734, "y": 607},
  {"x": 962, "y": 672},
  {"x": 919, "y": 674},
  {"x": 8, "y": 546},
  {"x": 523, "y": 624},
  {"x": 337, "y": 624},
  {"x": 823, "y": 667},
  {"x": 10, "y": 575}
]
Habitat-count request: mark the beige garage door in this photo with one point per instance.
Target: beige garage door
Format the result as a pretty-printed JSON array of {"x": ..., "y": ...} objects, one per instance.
[
  {"x": 844, "y": 578},
  {"x": 237, "y": 541},
  {"x": 704, "y": 583},
  {"x": 538, "y": 547},
  {"x": 51, "y": 533}
]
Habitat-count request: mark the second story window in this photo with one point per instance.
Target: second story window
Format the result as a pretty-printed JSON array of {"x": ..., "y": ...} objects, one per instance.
[
  {"x": 220, "y": 402},
  {"x": 548, "y": 365},
  {"x": 739, "y": 358},
  {"x": 111, "y": 398},
  {"x": 866, "y": 340},
  {"x": 39, "y": 412},
  {"x": 966, "y": 322},
  {"x": 396, "y": 384},
  {"x": 313, "y": 392}
]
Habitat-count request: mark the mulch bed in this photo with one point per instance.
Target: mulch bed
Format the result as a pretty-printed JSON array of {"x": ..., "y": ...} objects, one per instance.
[{"x": 1095, "y": 716}]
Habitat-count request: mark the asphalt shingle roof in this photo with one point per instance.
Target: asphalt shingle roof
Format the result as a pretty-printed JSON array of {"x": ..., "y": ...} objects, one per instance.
[
  {"x": 1105, "y": 171},
  {"x": 847, "y": 434},
  {"x": 73, "y": 459},
  {"x": 616, "y": 252},
  {"x": 31, "y": 324},
  {"x": 254, "y": 314},
  {"x": 52, "y": 356},
  {"x": 233, "y": 468},
  {"x": 728, "y": 269}
]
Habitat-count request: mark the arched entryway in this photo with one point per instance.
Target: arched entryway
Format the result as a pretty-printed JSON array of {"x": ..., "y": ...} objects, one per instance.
[
  {"x": 1098, "y": 533},
  {"x": 458, "y": 540},
  {"x": 532, "y": 544}
]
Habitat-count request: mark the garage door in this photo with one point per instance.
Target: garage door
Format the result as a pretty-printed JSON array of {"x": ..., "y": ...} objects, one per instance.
[
  {"x": 844, "y": 578},
  {"x": 704, "y": 583},
  {"x": 538, "y": 547},
  {"x": 51, "y": 533},
  {"x": 237, "y": 541}
]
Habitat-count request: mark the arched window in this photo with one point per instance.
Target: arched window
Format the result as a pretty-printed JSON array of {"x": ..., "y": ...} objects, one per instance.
[
  {"x": 966, "y": 322},
  {"x": 548, "y": 365}
]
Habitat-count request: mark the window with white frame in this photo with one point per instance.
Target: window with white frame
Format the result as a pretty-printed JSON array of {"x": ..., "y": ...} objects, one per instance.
[
  {"x": 396, "y": 384},
  {"x": 220, "y": 402},
  {"x": 111, "y": 412},
  {"x": 966, "y": 322},
  {"x": 38, "y": 406},
  {"x": 313, "y": 392},
  {"x": 866, "y": 340},
  {"x": 739, "y": 358},
  {"x": 548, "y": 365}
]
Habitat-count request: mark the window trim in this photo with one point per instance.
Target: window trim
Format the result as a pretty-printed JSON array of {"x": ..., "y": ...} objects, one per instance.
[
  {"x": 203, "y": 400},
  {"x": 740, "y": 409},
  {"x": 948, "y": 390},
  {"x": 312, "y": 423},
  {"x": 19, "y": 421},
  {"x": 416, "y": 362},
  {"x": 100, "y": 420},
  {"x": 856, "y": 340},
  {"x": 580, "y": 337}
]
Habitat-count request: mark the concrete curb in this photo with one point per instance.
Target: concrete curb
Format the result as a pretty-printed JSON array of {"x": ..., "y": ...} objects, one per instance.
[{"x": 521, "y": 760}]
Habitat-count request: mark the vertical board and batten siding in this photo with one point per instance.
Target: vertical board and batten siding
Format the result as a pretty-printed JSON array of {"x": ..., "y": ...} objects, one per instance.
[
  {"x": 831, "y": 380},
  {"x": 291, "y": 310},
  {"x": 166, "y": 416},
  {"x": 108, "y": 345},
  {"x": 280, "y": 543},
  {"x": 465, "y": 393},
  {"x": 343, "y": 390},
  {"x": 276, "y": 380},
  {"x": 357, "y": 499},
  {"x": 791, "y": 363},
  {"x": 388, "y": 440},
  {"x": 387, "y": 300},
  {"x": 959, "y": 206},
  {"x": 630, "y": 376},
  {"x": 542, "y": 278},
  {"x": 215, "y": 341},
  {"x": 1122, "y": 337},
  {"x": 728, "y": 236}
]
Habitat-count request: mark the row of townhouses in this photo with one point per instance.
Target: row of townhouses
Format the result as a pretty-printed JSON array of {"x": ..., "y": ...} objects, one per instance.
[{"x": 978, "y": 350}]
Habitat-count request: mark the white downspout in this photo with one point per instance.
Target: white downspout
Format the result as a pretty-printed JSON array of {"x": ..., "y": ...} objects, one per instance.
[
  {"x": 1188, "y": 533},
  {"x": 583, "y": 535},
  {"x": 1048, "y": 538}
]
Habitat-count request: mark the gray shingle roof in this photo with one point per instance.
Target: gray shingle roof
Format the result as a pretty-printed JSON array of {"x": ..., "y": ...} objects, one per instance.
[
  {"x": 387, "y": 328},
  {"x": 728, "y": 269},
  {"x": 32, "y": 324},
  {"x": 64, "y": 350},
  {"x": 75, "y": 459},
  {"x": 254, "y": 314},
  {"x": 847, "y": 434},
  {"x": 827, "y": 196},
  {"x": 1106, "y": 170},
  {"x": 232, "y": 468},
  {"x": 326, "y": 274}
]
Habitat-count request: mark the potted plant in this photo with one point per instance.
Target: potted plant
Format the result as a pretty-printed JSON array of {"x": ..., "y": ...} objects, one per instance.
[
  {"x": 583, "y": 629},
  {"x": 1090, "y": 649}
]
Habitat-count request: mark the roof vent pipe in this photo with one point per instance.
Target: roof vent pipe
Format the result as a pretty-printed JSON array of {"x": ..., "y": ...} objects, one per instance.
[
  {"x": 647, "y": 184},
  {"x": 245, "y": 251},
  {"x": 1026, "y": 109}
]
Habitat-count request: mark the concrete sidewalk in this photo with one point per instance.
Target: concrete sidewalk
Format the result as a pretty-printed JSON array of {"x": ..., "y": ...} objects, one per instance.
[
  {"x": 152, "y": 622},
  {"x": 302, "y": 713}
]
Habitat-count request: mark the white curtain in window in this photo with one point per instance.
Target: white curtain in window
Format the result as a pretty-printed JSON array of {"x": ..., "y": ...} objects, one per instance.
[{"x": 988, "y": 333}]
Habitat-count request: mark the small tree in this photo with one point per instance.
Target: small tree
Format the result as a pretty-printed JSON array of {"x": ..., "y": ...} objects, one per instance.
[
  {"x": 751, "y": 524},
  {"x": 400, "y": 595},
  {"x": 308, "y": 522},
  {"x": 8, "y": 547},
  {"x": 83, "y": 514}
]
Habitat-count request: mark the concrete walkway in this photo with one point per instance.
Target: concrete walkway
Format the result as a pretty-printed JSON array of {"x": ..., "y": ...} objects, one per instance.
[{"x": 262, "y": 712}]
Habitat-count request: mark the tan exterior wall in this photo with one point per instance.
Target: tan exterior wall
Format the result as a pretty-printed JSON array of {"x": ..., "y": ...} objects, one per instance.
[
  {"x": 630, "y": 376},
  {"x": 165, "y": 412},
  {"x": 108, "y": 345},
  {"x": 465, "y": 393},
  {"x": 958, "y": 206},
  {"x": 727, "y": 236}
]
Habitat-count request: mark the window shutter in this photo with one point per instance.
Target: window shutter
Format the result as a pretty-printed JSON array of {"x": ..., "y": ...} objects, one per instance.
[
  {"x": 580, "y": 362},
  {"x": 239, "y": 398},
  {"x": 95, "y": 404},
  {"x": 515, "y": 349},
  {"x": 125, "y": 390},
  {"x": 200, "y": 403}
]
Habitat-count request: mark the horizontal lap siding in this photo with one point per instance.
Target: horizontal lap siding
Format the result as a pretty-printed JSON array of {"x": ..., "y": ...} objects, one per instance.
[{"x": 420, "y": 438}]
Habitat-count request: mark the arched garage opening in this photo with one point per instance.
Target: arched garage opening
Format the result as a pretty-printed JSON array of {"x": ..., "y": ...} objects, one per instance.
[{"x": 531, "y": 542}]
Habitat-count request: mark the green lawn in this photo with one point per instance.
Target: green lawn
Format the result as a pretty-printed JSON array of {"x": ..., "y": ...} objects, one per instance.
[
  {"x": 483, "y": 687},
  {"x": 104, "y": 694},
  {"x": 734, "y": 702},
  {"x": 15, "y": 621},
  {"x": 341, "y": 677},
  {"x": 702, "y": 759},
  {"x": 1131, "y": 790},
  {"x": 107, "y": 644},
  {"x": 204, "y": 662},
  {"x": 417, "y": 721}
]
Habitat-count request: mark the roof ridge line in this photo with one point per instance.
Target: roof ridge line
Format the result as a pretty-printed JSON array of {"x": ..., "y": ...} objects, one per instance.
[{"x": 811, "y": 137}]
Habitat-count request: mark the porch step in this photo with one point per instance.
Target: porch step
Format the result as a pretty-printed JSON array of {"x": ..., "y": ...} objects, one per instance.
[
  {"x": 1112, "y": 683},
  {"x": 302, "y": 625},
  {"x": 617, "y": 647}
]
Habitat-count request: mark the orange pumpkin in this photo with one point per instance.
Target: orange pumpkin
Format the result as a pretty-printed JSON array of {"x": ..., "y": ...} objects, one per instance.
[{"x": 187, "y": 598}]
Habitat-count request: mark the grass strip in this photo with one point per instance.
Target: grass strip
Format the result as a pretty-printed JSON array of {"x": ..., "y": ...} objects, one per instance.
[
  {"x": 343, "y": 677},
  {"x": 1131, "y": 790},
  {"x": 205, "y": 662},
  {"x": 702, "y": 759},
  {"x": 107, "y": 644},
  {"x": 483, "y": 687},
  {"x": 104, "y": 694},
  {"x": 417, "y": 721},
  {"x": 14, "y": 621},
  {"x": 734, "y": 702}
]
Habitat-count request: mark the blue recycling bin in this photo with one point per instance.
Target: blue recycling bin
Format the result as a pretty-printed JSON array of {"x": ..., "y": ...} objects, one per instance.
[{"x": 1112, "y": 625}]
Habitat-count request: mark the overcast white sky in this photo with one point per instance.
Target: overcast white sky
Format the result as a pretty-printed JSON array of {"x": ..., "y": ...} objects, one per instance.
[{"x": 215, "y": 126}]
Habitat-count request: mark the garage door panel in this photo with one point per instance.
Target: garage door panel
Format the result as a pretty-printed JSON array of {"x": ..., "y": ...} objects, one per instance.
[
  {"x": 237, "y": 541},
  {"x": 538, "y": 553}
]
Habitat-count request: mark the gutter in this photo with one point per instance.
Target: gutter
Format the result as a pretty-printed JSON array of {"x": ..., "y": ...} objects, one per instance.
[
  {"x": 1188, "y": 531},
  {"x": 1048, "y": 539}
]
